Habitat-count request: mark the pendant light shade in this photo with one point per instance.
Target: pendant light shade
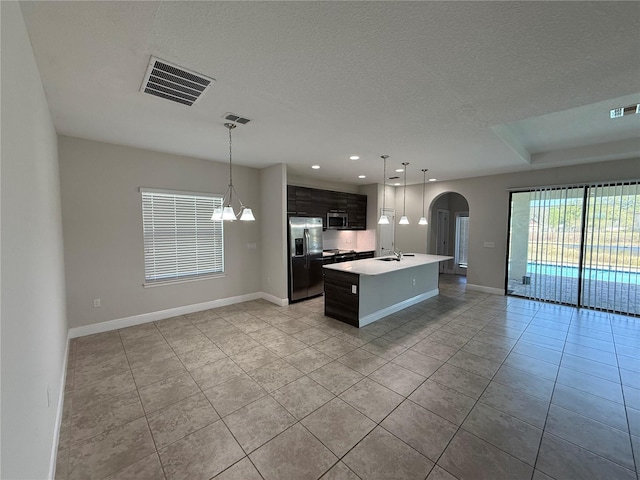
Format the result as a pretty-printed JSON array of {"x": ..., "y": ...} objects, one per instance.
[
  {"x": 384, "y": 219},
  {"x": 404, "y": 220},
  {"x": 247, "y": 215},
  {"x": 227, "y": 213},
  {"x": 423, "y": 219}
]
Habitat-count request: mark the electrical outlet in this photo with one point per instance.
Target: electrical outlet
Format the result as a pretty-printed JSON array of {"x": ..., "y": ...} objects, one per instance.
[
  {"x": 97, "y": 303},
  {"x": 414, "y": 282},
  {"x": 354, "y": 289},
  {"x": 490, "y": 244}
]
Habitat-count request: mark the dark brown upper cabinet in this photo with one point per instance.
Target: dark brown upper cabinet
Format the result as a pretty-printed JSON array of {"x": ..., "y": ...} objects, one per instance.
[{"x": 314, "y": 202}]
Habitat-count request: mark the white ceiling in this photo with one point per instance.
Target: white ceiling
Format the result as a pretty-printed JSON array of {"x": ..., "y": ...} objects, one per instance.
[{"x": 461, "y": 88}]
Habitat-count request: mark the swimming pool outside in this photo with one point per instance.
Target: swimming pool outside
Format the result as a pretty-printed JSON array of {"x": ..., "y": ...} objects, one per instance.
[{"x": 566, "y": 271}]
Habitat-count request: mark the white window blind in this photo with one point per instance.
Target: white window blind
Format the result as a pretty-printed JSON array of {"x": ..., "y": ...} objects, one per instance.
[
  {"x": 462, "y": 240},
  {"x": 181, "y": 242}
]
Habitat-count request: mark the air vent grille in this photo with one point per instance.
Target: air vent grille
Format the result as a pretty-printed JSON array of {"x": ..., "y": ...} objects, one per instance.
[
  {"x": 236, "y": 118},
  {"x": 174, "y": 83},
  {"x": 622, "y": 111}
]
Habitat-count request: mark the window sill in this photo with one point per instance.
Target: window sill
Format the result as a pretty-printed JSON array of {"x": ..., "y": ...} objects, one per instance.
[{"x": 162, "y": 283}]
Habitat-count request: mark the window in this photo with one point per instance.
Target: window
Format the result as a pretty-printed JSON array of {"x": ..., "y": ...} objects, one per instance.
[
  {"x": 181, "y": 242},
  {"x": 462, "y": 239}
]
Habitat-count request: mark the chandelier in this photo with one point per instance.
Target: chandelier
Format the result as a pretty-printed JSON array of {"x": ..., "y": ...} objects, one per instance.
[{"x": 226, "y": 212}]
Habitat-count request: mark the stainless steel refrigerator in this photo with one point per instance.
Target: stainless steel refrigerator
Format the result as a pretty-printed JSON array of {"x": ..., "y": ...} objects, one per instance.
[{"x": 305, "y": 257}]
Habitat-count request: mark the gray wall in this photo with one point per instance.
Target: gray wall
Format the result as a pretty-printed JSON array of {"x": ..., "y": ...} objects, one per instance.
[
  {"x": 488, "y": 200},
  {"x": 102, "y": 222},
  {"x": 273, "y": 200},
  {"x": 34, "y": 325}
]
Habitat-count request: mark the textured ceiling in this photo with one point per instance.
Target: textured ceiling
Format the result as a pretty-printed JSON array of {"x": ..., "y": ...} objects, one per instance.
[{"x": 461, "y": 88}]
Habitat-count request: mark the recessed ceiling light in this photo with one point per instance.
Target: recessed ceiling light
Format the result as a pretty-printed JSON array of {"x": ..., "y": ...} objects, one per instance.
[
  {"x": 432, "y": 179},
  {"x": 397, "y": 184},
  {"x": 354, "y": 157},
  {"x": 398, "y": 170},
  {"x": 315, "y": 167},
  {"x": 362, "y": 176}
]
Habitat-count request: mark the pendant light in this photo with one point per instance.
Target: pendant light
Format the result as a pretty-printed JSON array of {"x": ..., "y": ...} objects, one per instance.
[
  {"x": 227, "y": 213},
  {"x": 404, "y": 220},
  {"x": 423, "y": 219},
  {"x": 384, "y": 219}
]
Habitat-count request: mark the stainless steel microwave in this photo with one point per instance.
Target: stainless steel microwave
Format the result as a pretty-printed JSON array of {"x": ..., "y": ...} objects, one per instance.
[{"x": 337, "y": 220}]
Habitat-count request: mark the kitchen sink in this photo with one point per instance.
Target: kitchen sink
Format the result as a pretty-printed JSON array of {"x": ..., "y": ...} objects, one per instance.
[{"x": 388, "y": 259}]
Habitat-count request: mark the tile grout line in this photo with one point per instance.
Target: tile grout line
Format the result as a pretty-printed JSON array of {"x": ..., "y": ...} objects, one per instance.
[
  {"x": 546, "y": 418},
  {"x": 459, "y": 427}
]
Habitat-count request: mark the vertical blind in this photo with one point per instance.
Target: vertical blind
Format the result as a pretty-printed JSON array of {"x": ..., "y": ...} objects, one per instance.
[
  {"x": 554, "y": 243},
  {"x": 180, "y": 239},
  {"x": 611, "y": 279},
  {"x": 577, "y": 245}
]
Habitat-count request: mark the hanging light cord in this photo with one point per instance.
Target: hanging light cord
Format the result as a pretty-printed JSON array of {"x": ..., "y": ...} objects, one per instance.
[
  {"x": 424, "y": 177},
  {"x": 230, "y": 126},
  {"x": 384, "y": 182},
  {"x": 404, "y": 199}
]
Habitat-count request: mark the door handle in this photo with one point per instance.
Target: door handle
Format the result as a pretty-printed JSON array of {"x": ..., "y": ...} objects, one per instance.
[{"x": 306, "y": 248}]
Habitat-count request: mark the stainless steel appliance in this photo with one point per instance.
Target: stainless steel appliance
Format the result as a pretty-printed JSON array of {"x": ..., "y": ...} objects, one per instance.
[
  {"x": 337, "y": 220},
  {"x": 305, "y": 257}
]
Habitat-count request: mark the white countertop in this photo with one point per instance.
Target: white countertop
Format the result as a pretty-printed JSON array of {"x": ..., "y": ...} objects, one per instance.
[{"x": 375, "y": 266}]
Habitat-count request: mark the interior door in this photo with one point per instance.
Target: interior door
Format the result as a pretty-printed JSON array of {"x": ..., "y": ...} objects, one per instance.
[
  {"x": 442, "y": 236},
  {"x": 386, "y": 233}
]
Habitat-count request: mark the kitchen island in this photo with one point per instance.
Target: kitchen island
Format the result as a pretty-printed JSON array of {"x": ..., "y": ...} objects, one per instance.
[{"x": 363, "y": 291}]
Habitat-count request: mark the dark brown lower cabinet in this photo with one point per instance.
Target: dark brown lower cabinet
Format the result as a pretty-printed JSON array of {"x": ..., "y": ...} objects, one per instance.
[{"x": 339, "y": 300}]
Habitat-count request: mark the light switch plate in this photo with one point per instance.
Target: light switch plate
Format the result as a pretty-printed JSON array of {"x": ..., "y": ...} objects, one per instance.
[
  {"x": 490, "y": 244},
  {"x": 354, "y": 289}
]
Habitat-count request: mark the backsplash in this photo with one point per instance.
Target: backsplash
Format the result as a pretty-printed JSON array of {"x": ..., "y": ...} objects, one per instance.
[
  {"x": 343, "y": 240},
  {"x": 349, "y": 239}
]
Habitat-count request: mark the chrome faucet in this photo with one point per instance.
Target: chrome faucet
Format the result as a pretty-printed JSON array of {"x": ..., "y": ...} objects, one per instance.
[{"x": 397, "y": 254}]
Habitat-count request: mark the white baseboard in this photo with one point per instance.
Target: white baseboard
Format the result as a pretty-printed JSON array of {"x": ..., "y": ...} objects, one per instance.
[
  {"x": 60, "y": 409},
  {"x": 281, "y": 302},
  {"x": 372, "y": 317},
  {"x": 171, "y": 312},
  {"x": 483, "y": 289}
]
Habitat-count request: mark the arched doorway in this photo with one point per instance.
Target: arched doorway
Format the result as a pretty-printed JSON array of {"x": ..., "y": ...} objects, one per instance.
[{"x": 449, "y": 231}]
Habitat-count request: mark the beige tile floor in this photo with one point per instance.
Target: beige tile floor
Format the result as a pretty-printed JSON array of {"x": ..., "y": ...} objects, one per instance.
[{"x": 464, "y": 385}]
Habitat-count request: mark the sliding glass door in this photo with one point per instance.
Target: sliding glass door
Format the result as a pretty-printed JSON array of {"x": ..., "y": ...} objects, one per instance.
[{"x": 576, "y": 245}]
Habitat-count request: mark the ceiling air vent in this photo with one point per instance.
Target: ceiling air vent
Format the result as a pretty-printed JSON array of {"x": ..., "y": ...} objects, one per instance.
[
  {"x": 622, "y": 111},
  {"x": 236, "y": 118},
  {"x": 174, "y": 83}
]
